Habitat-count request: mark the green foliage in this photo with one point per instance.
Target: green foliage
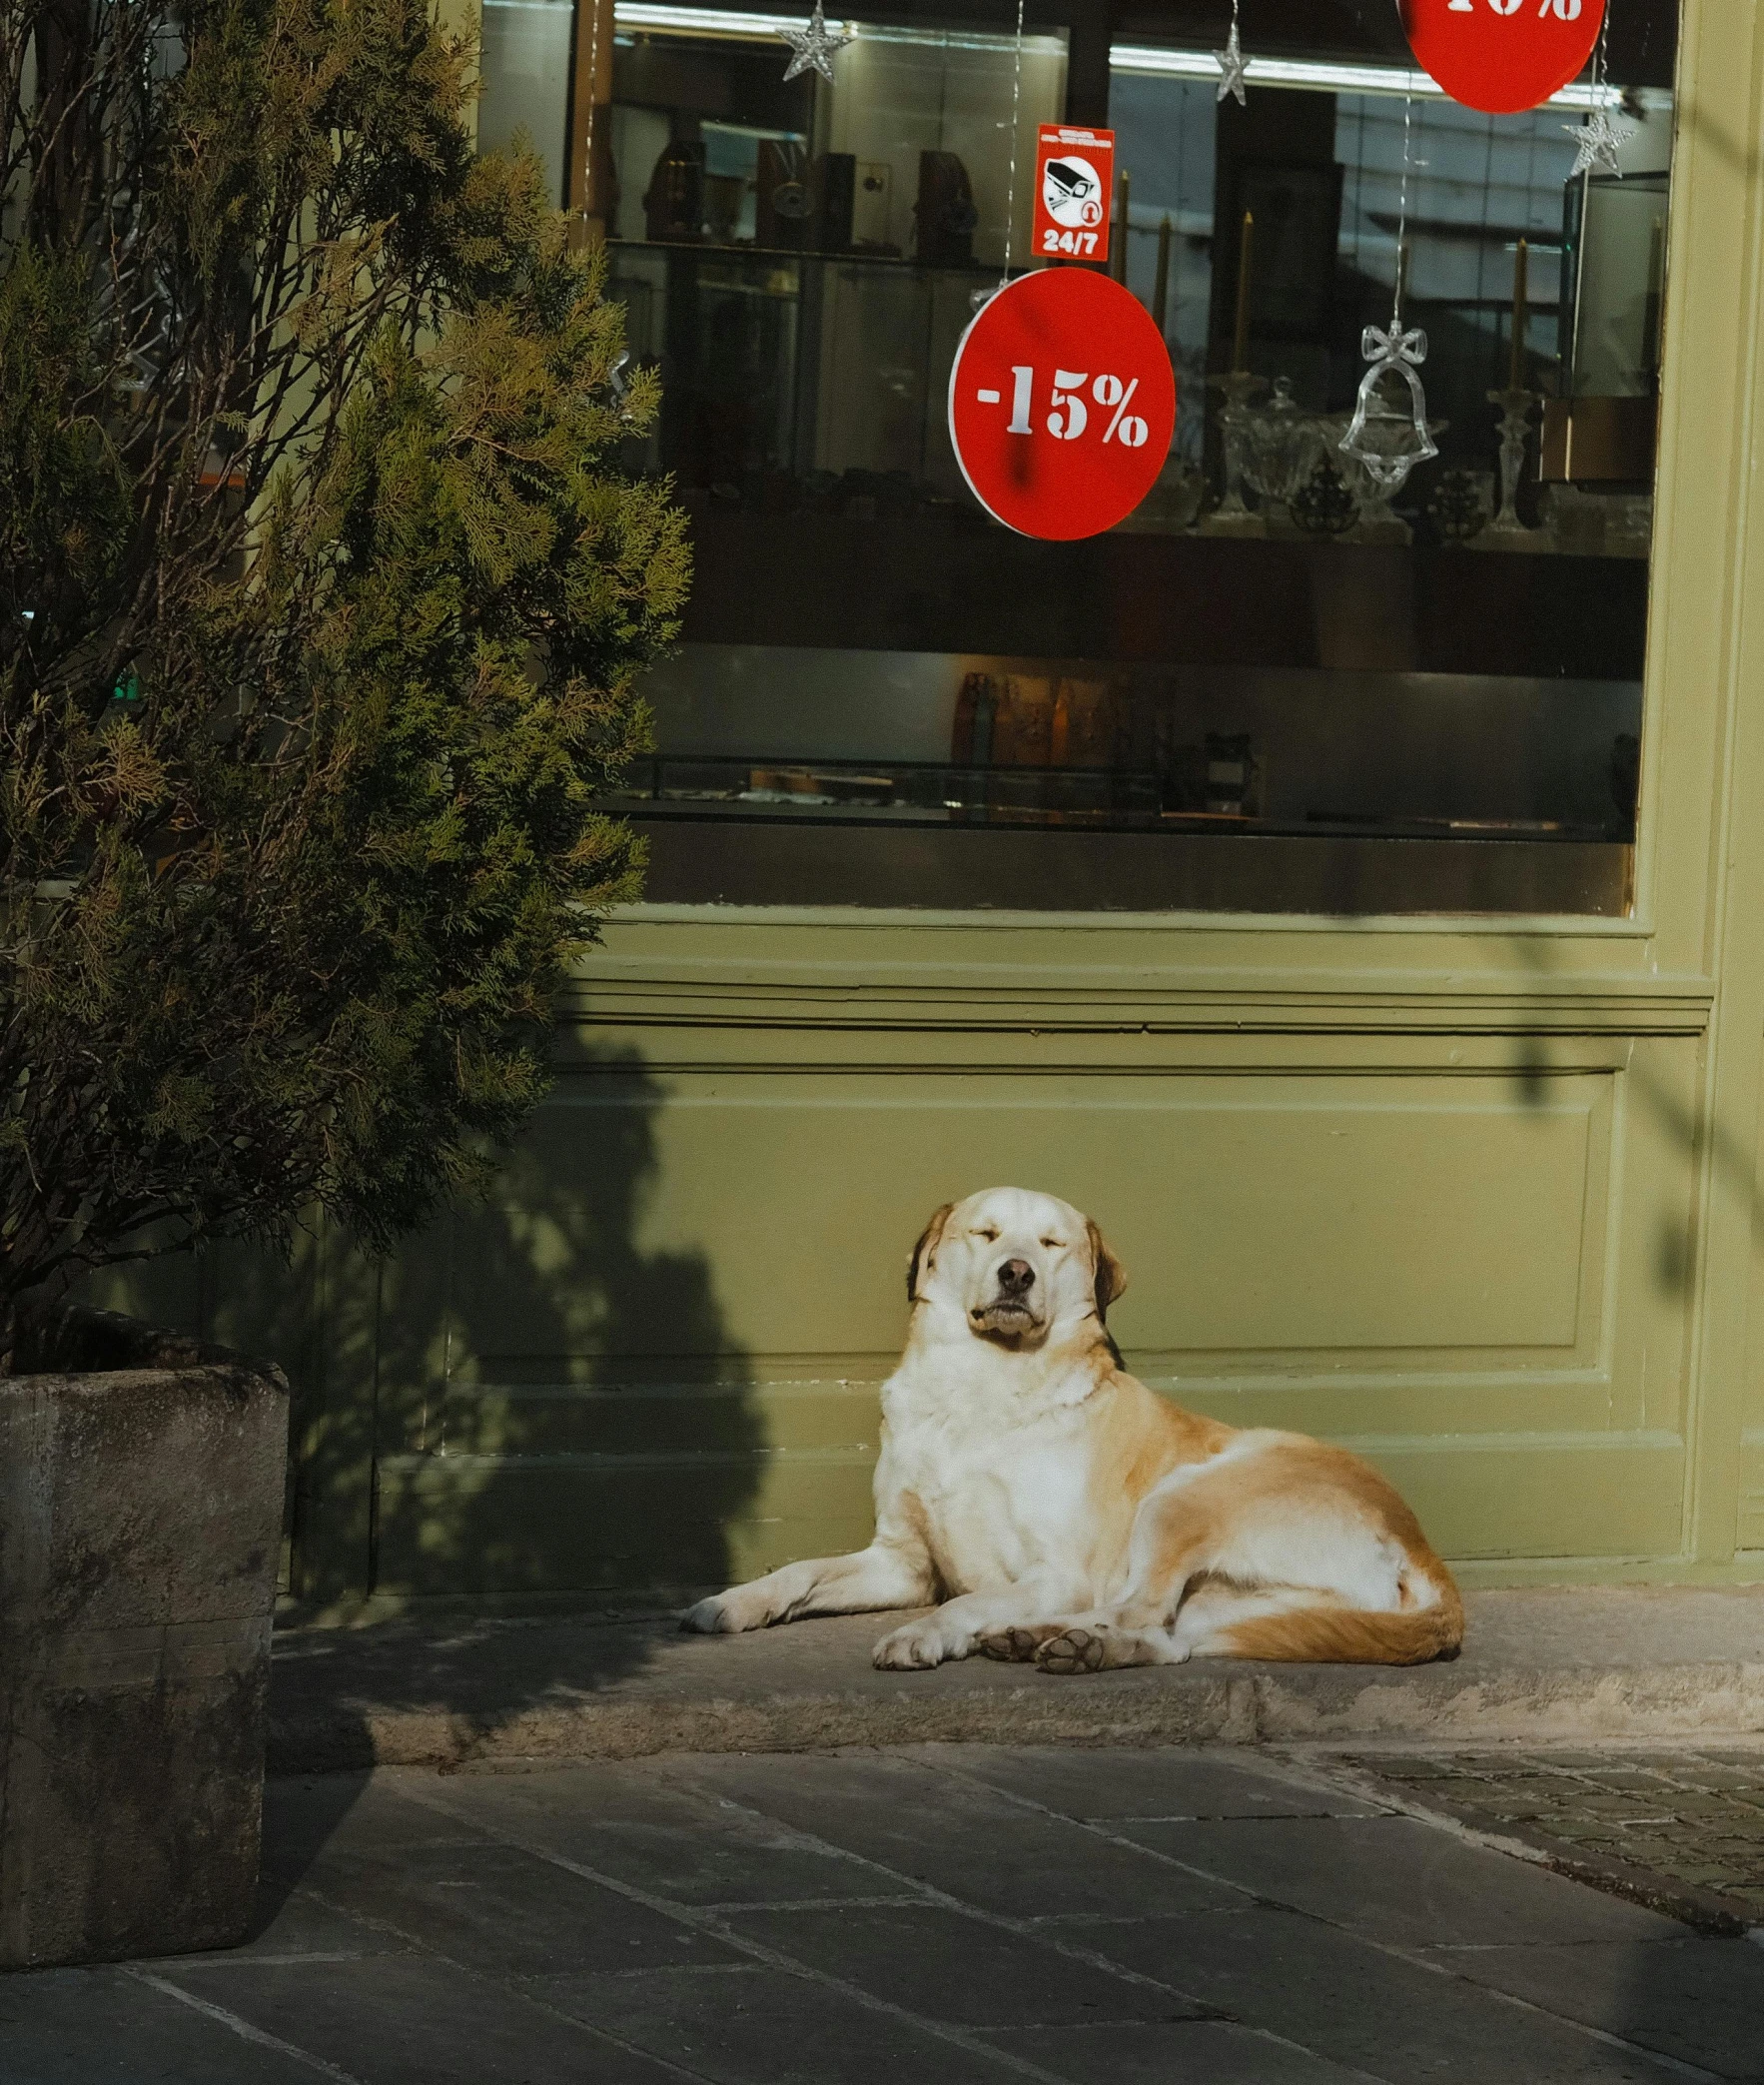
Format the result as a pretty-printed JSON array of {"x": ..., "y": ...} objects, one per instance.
[{"x": 307, "y": 429}]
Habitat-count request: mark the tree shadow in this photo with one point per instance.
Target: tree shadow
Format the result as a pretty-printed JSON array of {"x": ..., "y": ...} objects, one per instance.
[
  {"x": 562, "y": 1410},
  {"x": 534, "y": 1406},
  {"x": 1732, "y": 1157}
]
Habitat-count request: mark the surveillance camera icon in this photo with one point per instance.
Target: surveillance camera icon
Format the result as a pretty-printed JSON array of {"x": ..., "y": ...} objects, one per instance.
[{"x": 1072, "y": 193}]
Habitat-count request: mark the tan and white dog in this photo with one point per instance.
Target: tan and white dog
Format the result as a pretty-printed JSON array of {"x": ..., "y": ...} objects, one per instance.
[{"x": 1064, "y": 1514}]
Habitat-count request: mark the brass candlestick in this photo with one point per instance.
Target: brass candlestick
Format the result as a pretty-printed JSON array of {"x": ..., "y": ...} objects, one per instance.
[
  {"x": 1161, "y": 281},
  {"x": 1238, "y": 386},
  {"x": 1516, "y": 368},
  {"x": 1240, "y": 330},
  {"x": 1123, "y": 194}
]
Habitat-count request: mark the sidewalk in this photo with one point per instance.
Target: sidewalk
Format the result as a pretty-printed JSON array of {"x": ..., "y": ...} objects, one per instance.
[
  {"x": 942, "y": 1915},
  {"x": 1631, "y": 1662}
]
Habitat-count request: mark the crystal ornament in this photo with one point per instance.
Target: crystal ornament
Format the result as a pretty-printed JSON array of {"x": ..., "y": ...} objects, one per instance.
[
  {"x": 1515, "y": 417},
  {"x": 1284, "y": 442},
  {"x": 1324, "y": 505},
  {"x": 1460, "y": 504},
  {"x": 1388, "y": 436},
  {"x": 817, "y": 45},
  {"x": 1597, "y": 142},
  {"x": 1231, "y": 62},
  {"x": 1232, "y": 516}
]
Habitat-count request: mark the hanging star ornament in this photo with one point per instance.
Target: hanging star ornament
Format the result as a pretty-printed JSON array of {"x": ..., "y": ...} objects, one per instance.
[
  {"x": 816, "y": 45},
  {"x": 1231, "y": 62},
  {"x": 1597, "y": 141}
]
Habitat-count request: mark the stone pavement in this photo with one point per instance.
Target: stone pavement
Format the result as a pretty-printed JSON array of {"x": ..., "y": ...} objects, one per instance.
[
  {"x": 1565, "y": 1663},
  {"x": 1682, "y": 1830},
  {"x": 950, "y": 1914}
]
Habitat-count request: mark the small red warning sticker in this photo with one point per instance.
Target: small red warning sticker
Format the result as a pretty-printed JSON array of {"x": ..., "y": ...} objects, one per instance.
[{"x": 1074, "y": 185}]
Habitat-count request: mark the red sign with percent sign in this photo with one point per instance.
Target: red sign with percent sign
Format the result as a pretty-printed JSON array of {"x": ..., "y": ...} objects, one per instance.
[
  {"x": 1501, "y": 56},
  {"x": 1062, "y": 402}
]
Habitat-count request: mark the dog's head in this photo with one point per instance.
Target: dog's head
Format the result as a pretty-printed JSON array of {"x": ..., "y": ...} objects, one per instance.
[{"x": 1015, "y": 1267}]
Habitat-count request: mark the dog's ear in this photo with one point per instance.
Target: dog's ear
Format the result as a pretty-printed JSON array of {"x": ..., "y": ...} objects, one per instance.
[
  {"x": 1111, "y": 1275},
  {"x": 925, "y": 1252}
]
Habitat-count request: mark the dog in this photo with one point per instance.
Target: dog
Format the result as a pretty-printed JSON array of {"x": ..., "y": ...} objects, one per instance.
[{"x": 1064, "y": 1515}]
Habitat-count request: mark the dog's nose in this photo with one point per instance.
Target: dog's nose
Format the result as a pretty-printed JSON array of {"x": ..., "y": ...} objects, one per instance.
[{"x": 1016, "y": 1276}]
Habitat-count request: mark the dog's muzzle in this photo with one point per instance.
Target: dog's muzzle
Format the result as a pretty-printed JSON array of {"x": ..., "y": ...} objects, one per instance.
[
  {"x": 1010, "y": 1311},
  {"x": 1004, "y": 1317}
]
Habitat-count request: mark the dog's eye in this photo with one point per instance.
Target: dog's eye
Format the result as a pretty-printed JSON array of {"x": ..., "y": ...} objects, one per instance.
[
  {"x": 991, "y": 1236},
  {"x": 1055, "y": 1245}
]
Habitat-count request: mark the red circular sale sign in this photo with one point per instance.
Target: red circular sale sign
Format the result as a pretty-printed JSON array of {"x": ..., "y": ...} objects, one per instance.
[
  {"x": 1501, "y": 56},
  {"x": 1062, "y": 402}
]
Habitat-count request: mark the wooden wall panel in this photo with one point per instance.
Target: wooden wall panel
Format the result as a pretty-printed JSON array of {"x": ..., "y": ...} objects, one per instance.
[{"x": 656, "y": 1359}]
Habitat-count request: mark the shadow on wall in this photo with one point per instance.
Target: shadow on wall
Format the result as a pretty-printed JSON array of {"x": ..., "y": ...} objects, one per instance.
[
  {"x": 522, "y": 1407},
  {"x": 560, "y": 1409},
  {"x": 1672, "y": 1110}
]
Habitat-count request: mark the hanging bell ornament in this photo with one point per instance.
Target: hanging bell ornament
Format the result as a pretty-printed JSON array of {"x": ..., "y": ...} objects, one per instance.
[{"x": 1388, "y": 436}]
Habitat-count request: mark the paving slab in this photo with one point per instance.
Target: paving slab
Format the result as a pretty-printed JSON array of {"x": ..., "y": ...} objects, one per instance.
[
  {"x": 971, "y": 1844},
  {"x": 1367, "y": 2007},
  {"x": 497, "y": 1908},
  {"x": 1398, "y": 1879},
  {"x": 993, "y": 1916},
  {"x": 107, "y": 2027},
  {"x": 1102, "y": 1786},
  {"x": 935, "y": 1961},
  {"x": 670, "y": 1841},
  {"x": 1213, "y": 2051},
  {"x": 1700, "y": 2000},
  {"x": 414, "y": 2020},
  {"x": 774, "y": 2028},
  {"x": 1538, "y": 1665}
]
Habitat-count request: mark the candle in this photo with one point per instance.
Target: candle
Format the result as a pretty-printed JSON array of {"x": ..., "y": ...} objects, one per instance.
[
  {"x": 1161, "y": 283},
  {"x": 1240, "y": 339},
  {"x": 1515, "y": 374}
]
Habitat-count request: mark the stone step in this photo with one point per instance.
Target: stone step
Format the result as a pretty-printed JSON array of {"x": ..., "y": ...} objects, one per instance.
[{"x": 1538, "y": 1666}]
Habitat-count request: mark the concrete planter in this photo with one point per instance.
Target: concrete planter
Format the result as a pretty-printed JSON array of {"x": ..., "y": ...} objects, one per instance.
[{"x": 141, "y": 1484}]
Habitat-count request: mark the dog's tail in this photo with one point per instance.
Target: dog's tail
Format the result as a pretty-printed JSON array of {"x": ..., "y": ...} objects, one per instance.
[{"x": 1356, "y": 1636}]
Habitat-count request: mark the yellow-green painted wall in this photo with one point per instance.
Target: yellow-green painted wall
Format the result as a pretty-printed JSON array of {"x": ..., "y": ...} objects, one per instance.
[{"x": 1478, "y": 1196}]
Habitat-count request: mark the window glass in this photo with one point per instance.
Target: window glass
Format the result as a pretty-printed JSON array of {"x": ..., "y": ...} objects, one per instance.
[
  {"x": 1273, "y": 687},
  {"x": 526, "y": 74}
]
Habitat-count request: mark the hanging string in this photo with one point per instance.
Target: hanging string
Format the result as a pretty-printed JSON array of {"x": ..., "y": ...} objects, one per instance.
[
  {"x": 595, "y": 7},
  {"x": 1598, "y": 57},
  {"x": 1011, "y": 190},
  {"x": 1402, "y": 205},
  {"x": 1386, "y": 448}
]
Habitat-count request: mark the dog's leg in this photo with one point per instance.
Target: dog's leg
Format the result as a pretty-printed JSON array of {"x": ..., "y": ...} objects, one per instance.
[
  {"x": 1172, "y": 1541},
  {"x": 883, "y": 1576},
  {"x": 966, "y": 1624},
  {"x": 1098, "y": 1642}
]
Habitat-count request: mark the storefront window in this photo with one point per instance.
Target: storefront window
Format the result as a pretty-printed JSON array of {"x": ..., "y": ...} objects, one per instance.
[{"x": 1329, "y": 703}]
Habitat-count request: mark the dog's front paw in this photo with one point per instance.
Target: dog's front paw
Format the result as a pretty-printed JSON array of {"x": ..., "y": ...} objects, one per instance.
[
  {"x": 726, "y": 1614},
  {"x": 909, "y": 1649},
  {"x": 1017, "y": 1644},
  {"x": 1073, "y": 1650},
  {"x": 710, "y": 1617}
]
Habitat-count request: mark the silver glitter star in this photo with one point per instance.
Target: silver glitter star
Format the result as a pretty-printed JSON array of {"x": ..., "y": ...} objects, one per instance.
[
  {"x": 815, "y": 46},
  {"x": 1597, "y": 142},
  {"x": 1231, "y": 62}
]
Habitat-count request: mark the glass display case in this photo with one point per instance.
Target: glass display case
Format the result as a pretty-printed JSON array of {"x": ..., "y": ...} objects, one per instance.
[{"x": 1273, "y": 687}]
